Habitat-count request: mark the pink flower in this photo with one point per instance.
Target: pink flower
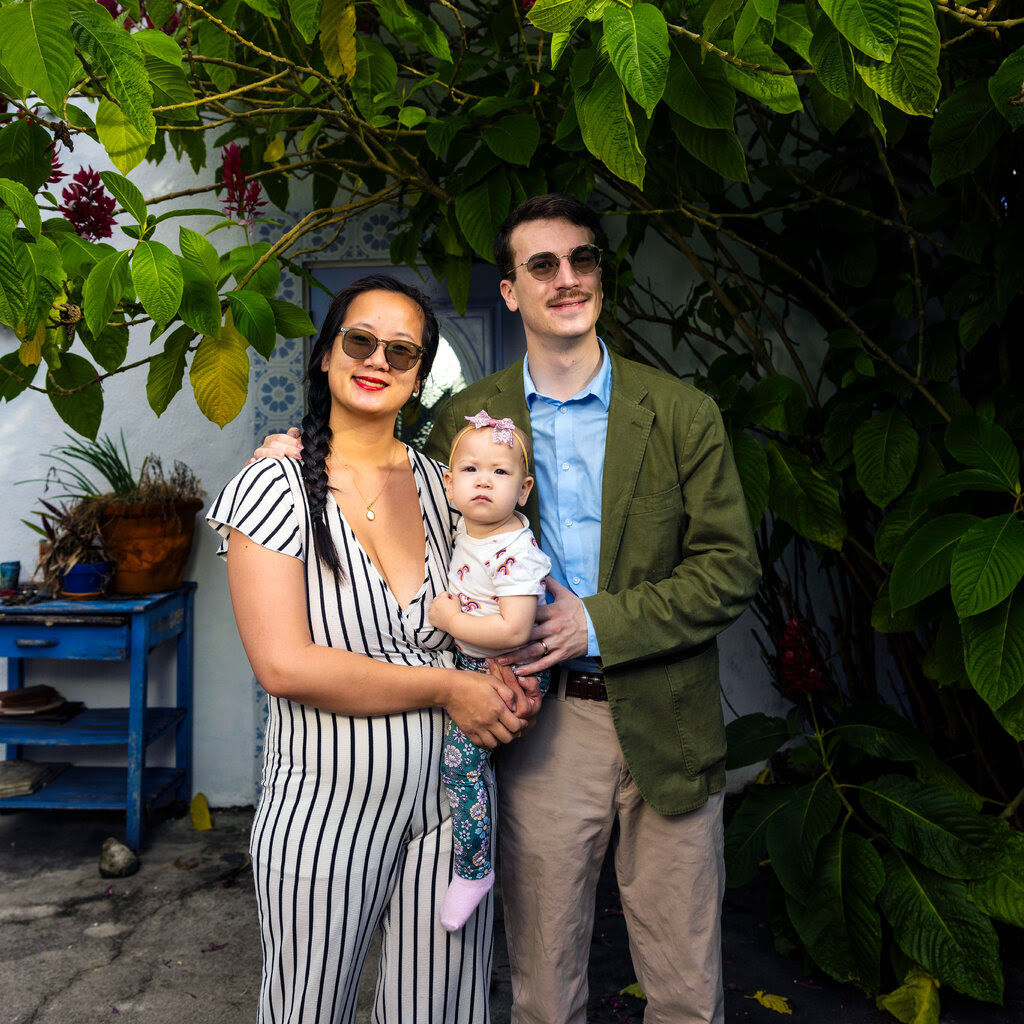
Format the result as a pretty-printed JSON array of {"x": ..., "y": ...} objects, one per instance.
[
  {"x": 57, "y": 172},
  {"x": 243, "y": 200},
  {"x": 87, "y": 205},
  {"x": 799, "y": 664}
]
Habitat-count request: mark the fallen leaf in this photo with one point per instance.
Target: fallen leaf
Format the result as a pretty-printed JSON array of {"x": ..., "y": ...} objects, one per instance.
[
  {"x": 185, "y": 865},
  {"x": 214, "y": 947},
  {"x": 199, "y": 811},
  {"x": 633, "y": 990},
  {"x": 916, "y": 1001},
  {"x": 780, "y": 1004}
]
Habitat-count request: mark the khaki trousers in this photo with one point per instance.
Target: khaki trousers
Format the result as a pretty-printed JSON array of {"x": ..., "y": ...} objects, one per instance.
[{"x": 561, "y": 789}]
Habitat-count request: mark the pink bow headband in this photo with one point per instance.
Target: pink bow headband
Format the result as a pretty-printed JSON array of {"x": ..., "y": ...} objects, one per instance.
[{"x": 503, "y": 431}]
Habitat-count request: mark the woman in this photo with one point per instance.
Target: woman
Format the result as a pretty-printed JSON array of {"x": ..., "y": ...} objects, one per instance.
[{"x": 332, "y": 566}]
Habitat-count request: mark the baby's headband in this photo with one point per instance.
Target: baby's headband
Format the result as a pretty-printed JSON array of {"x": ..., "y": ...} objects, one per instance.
[{"x": 502, "y": 433}]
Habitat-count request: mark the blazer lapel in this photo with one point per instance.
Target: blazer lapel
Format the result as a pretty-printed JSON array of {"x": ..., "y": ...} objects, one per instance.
[{"x": 629, "y": 426}]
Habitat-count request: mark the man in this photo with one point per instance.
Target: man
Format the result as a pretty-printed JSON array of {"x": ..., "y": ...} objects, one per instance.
[{"x": 639, "y": 507}]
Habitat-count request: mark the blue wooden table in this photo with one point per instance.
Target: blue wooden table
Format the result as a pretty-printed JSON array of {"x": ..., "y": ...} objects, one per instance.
[{"x": 113, "y": 629}]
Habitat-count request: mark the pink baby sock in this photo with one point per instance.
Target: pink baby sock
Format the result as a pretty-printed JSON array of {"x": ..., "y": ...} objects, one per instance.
[{"x": 462, "y": 898}]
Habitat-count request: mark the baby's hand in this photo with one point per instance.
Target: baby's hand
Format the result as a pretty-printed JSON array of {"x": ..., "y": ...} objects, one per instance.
[{"x": 443, "y": 610}]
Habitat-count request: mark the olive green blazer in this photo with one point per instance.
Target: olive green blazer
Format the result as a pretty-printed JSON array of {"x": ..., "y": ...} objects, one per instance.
[{"x": 677, "y": 565}]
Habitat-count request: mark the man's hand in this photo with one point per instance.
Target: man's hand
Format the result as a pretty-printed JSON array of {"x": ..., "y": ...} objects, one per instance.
[
  {"x": 559, "y": 633},
  {"x": 443, "y": 610},
  {"x": 279, "y": 446}
]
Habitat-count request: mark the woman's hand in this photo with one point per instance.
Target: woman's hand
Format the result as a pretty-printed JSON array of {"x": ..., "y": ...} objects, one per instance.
[
  {"x": 280, "y": 446},
  {"x": 480, "y": 705}
]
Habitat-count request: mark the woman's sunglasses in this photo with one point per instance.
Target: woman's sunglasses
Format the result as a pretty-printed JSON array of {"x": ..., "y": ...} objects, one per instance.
[
  {"x": 543, "y": 266},
  {"x": 359, "y": 343}
]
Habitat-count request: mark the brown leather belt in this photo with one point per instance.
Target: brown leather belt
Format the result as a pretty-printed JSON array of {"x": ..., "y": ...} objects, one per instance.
[{"x": 585, "y": 685}]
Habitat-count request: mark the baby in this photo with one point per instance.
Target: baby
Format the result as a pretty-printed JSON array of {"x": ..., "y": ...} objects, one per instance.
[{"x": 496, "y": 579}]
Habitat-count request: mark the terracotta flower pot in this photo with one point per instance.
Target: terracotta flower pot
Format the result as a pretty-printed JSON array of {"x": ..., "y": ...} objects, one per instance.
[{"x": 150, "y": 543}]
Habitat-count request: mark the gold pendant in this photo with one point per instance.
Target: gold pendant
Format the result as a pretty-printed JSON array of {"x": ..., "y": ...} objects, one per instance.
[{"x": 370, "y": 515}]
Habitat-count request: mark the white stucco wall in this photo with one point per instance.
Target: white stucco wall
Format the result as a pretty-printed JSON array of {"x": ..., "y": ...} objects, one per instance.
[{"x": 225, "y": 709}]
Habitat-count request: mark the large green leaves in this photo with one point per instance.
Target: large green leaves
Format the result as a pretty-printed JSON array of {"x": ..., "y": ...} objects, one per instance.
[
  {"x": 979, "y": 443},
  {"x": 870, "y": 25},
  {"x": 778, "y": 91},
  {"x": 1004, "y": 88},
  {"x": 513, "y": 139},
  {"x": 103, "y": 289},
  {"x": 254, "y": 320},
  {"x": 75, "y": 393},
  {"x": 805, "y": 497},
  {"x": 936, "y": 926},
  {"x": 167, "y": 369},
  {"x": 220, "y": 375},
  {"x": 746, "y": 840},
  {"x": 156, "y": 272},
  {"x": 753, "y": 738},
  {"x": 557, "y": 15},
  {"x": 965, "y": 129},
  {"x": 36, "y": 48},
  {"x": 481, "y": 209},
  {"x": 922, "y": 566},
  {"x": 994, "y": 657},
  {"x": 637, "y": 39},
  {"x": 885, "y": 455},
  {"x": 795, "y": 832},
  {"x": 988, "y": 563},
  {"x": 607, "y": 126}
]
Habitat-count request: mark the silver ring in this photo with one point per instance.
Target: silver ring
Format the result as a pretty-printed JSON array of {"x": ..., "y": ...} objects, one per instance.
[{"x": 543, "y": 644}]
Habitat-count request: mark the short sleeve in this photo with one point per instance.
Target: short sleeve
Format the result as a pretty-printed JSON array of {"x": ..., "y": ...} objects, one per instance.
[
  {"x": 265, "y": 503},
  {"x": 520, "y": 568}
]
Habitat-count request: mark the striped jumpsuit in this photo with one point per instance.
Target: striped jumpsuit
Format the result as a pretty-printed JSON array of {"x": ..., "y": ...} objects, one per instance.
[{"x": 352, "y": 830}]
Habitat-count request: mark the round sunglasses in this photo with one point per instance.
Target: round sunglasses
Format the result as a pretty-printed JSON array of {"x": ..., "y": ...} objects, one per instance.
[
  {"x": 543, "y": 266},
  {"x": 360, "y": 343}
]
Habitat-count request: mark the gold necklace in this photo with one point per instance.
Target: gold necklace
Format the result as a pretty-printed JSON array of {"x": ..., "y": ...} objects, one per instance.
[{"x": 370, "y": 514}]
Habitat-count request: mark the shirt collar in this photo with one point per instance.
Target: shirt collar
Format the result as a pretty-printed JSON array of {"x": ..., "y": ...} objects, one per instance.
[{"x": 600, "y": 385}]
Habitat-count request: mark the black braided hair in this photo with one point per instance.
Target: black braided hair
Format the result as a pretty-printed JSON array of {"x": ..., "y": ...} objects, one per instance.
[{"x": 316, "y": 428}]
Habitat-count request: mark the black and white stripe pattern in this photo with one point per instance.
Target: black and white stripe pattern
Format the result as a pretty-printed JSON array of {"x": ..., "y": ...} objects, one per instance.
[{"x": 352, "y": 828}]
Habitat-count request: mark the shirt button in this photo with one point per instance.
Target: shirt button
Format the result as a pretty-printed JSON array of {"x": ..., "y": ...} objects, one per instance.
[
  {"x": 568, "y": 522},
  {"x": 565, "y": 465},
  {"x": 576, "y": 579},
  {"x": 563, "y": 410}
]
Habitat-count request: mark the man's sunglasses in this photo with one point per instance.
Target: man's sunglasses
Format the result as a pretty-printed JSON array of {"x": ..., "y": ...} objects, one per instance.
[
  {"x": 359, "y": 343},
  {"x": 543, "y": 266}
]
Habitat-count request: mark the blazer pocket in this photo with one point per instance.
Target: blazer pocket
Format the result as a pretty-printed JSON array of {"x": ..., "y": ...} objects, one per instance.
[{"x": 658, "y": 503}]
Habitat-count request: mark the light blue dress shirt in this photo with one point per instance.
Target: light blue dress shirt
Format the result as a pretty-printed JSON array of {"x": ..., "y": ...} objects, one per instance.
[{"x": 568, "y": 455}]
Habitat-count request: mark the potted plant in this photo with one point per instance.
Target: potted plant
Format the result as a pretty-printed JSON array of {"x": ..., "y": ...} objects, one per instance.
[
  {"x": 146, "y": 522},
  {"x": 72, "y": 560}
]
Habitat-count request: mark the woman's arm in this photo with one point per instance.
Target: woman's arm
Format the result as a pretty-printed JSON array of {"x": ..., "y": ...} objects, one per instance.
[{"x": 268, "y": 594}]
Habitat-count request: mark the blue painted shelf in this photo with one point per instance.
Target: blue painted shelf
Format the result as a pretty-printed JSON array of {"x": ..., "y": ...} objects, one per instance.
[{"x": 112, "y": 629}]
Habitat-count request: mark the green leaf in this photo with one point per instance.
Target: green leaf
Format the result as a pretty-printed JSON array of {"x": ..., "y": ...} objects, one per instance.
[
  {"x": 156, "y": 272},
  {"x": 103, "y": 290},
  {"x": 1001, "y": 894},
  {"x": 977, "y": 442},
  {"x": 557, "y": 15},
  {"x": 411, "y": 116},
  {"x": 873, "y": 26},
  {"x": 988, "y": 563},
  {"x": 75, "y": 393},
  {"x": 12, "y": 291},
  {"x": 753, "y": 738},
  {"x": 792, "y": 26},
  {"x": 481, "y": 209},
  {"x": 777, "y": 402},
  {"x": 951, "y": 485},
  {"x": 418, "y": 29},
  {"x": 170, "y": 88},
  {"x": 885, "y": 455},
  {"x": 717, "y": 148},
  {"x": 199, "y": 251},
  {"x": 39, "y": 266},
  {"x": 254, "y": 320},
  {"x": 268, "y": 8},
  {"x": 214, "y": 42},
  {"x": 130, "y": 198},
  {"x": 755, "y": 477},
  {"x": 376, "y": 74},
  {"x": 338, "y": 38},
  {"x": 559, "y": 42},
  {"x": 937, "y": 927},
  {"x": 158, "y": 44},
  {"x": 909, "y": 81},
  {"x": 937, "y": 828},
  {"x": 637, "y": 39},
  {"x": 291, "y": 321},
  {"x": 776, "y": 91},
  {"x": 22, "y": 204},
  {"x": 113, "y": 50},
  {"x": 805, "y": 498},
  {"x": 109, "y": 348},
  {"x": 200, "y": 303},
  {"x": 965, "y": 129},
  {"x": 220, "y": 376},
  {"x": 167, "y": 369},
  {"x": 513, "y": 139},
  {"x": 698, "y": 89},
  {"x": 25, "y": 149},
  {"x": 243, "y": 258},
  {"x": 14, "y": 376},
  {"x": 922, "y": 567},
  {"x": 36, "y": 47},
  {"x": 746, "y": 841},
  {"x": 880, "y": 732},
  {"x": 607, "y": 127},
  {"x": 795, "y": 832},
  {"x": 841, "y": 927},
  {"x": 994, "y": 653},
  {"x": 125, "y": 144},
  {"x": 1005, "y": 85},
  {"x": 441, "y": 133},
  {"x": 305, "y": 17}
]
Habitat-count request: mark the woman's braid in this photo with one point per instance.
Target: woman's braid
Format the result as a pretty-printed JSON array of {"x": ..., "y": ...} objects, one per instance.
[{"x": 316, "y": 446}]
